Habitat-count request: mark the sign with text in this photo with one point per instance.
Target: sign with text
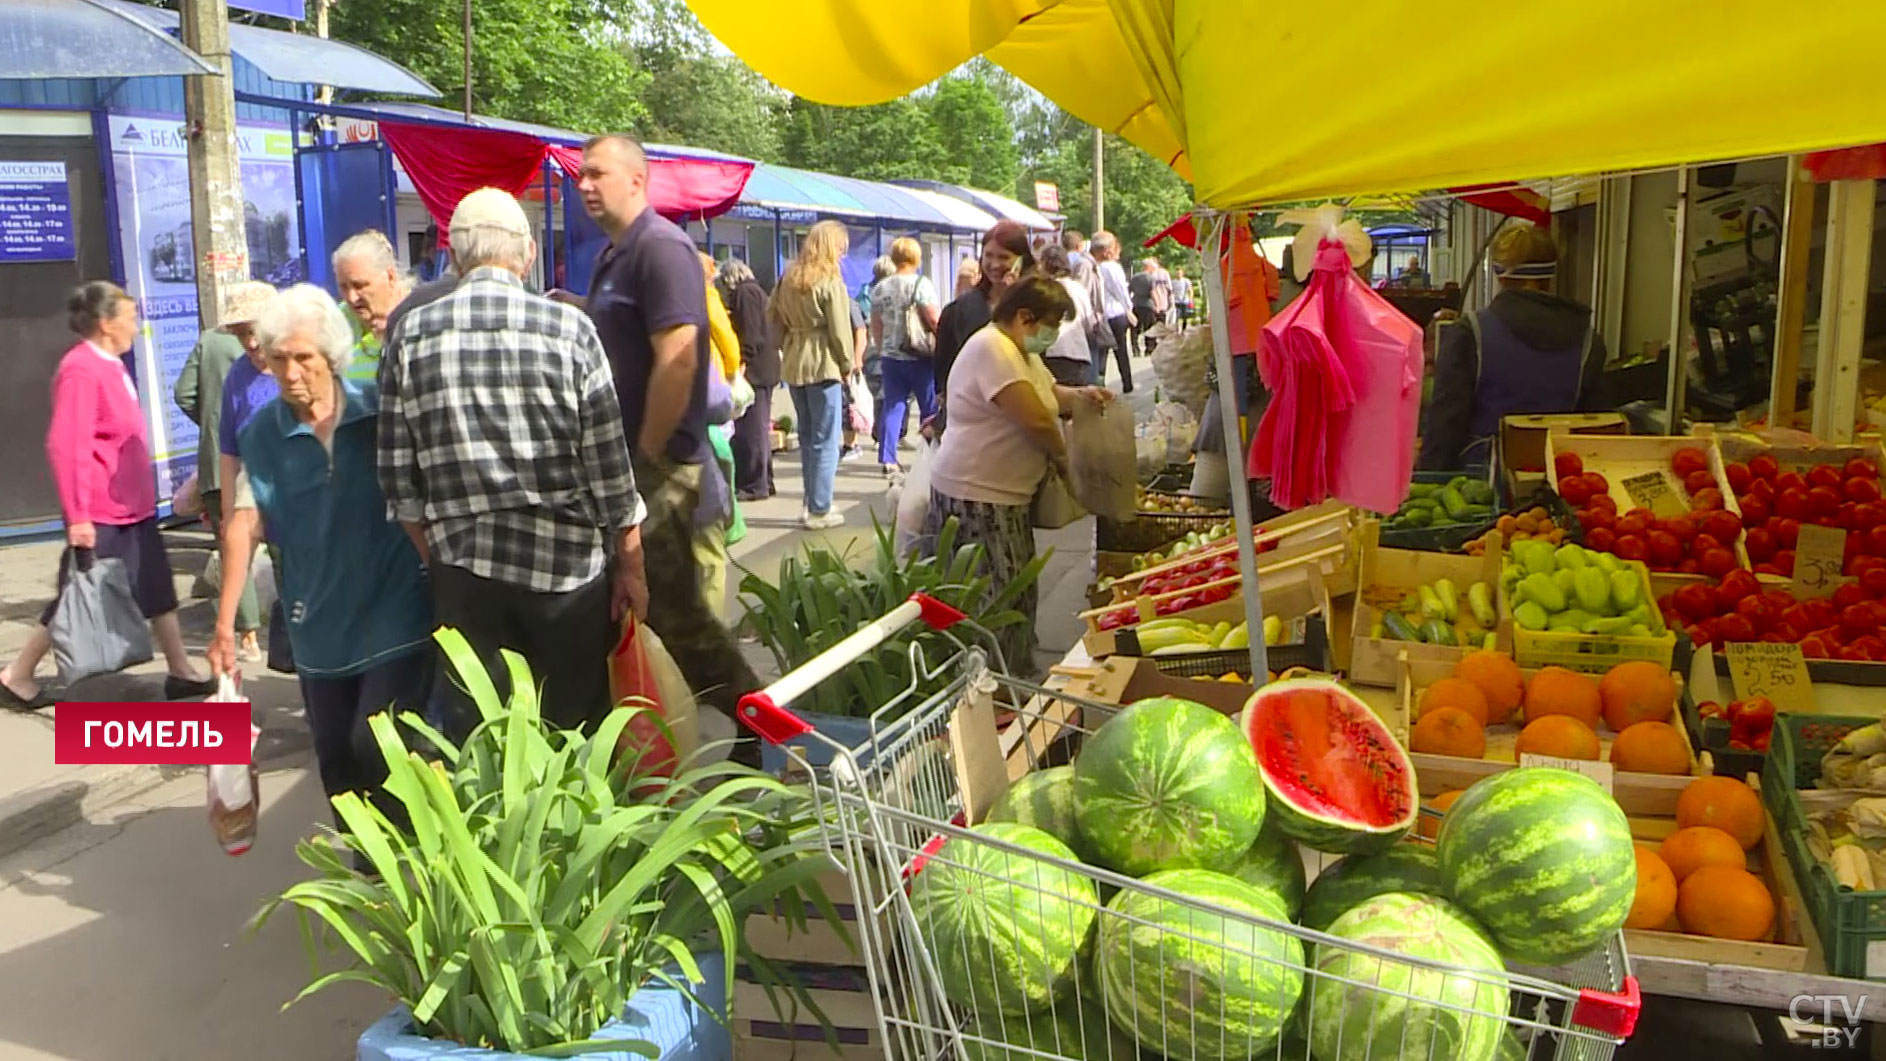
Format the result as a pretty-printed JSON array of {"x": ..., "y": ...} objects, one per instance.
[
  {"x": 1597, "y": 771},
  {"x": 289, "y": 9},
  {"x": 1047, "y": 196},
  {"x": 35, "y": 213},
  {"x": 1819, "y": 555},
  {"x": 1772, "y": 669},
  {"x": 147, "y": 734},
  {"x": 1654, "y": 491}
]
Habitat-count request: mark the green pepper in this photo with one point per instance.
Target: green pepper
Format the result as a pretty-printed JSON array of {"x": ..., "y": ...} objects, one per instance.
[
  {"x": 1541, "y": 590},
  {"x": 1571, "y": 555},
  {"x": 1639, "y": 630},
  {"x": 1605, "y": 561},
  {"x": 1566, "y": 580},
  {"x": 1627, "y": 589},
  {"x": 1607, "y": 627},
  {"x": 1592, "y": 589},
  {"x": 1535, "y": 556},
  {"x": 1530, "y": 615}
]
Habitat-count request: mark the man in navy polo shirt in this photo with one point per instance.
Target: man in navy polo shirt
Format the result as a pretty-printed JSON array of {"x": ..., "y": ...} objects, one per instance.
[{"x": 650, "y": 309}]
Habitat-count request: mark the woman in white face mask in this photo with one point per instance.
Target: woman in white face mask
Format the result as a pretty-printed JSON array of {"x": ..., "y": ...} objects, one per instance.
[{"x": 1004, "y": 435}]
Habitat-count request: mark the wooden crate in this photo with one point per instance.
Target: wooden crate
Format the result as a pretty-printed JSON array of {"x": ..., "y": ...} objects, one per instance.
[
  {"x": 1291, "y": 589},
  {"x": 761, "y": 1033},
  {"x": 777, "y": 937},
  {"x": 1619, "y": 457},
  {"x": 1386, "y": 575},
  {"x": 1306, "y": 533},
  {"x": 1590, "y": 653},
  {"x": 1525, "y": 462}
]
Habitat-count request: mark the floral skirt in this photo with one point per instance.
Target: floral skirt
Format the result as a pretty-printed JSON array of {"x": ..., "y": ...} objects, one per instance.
[{"x": 1007, "y": 537}]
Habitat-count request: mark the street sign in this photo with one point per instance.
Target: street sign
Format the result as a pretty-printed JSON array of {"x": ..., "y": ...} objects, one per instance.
[{"x": 1047, "y": 196}]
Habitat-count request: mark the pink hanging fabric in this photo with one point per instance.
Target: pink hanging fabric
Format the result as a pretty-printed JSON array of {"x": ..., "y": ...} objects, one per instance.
[
  {"x": 680, "y": 188},
  {"x": 1344, "y": 370},
  {"x": 446, "y": 164}
]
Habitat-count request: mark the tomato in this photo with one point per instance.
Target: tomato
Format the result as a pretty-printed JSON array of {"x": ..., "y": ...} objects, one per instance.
[
  {"x": 1710, "y": 709},
  {"x": 1764, "y": 467},
  {"x": 1698, "y": 480},
  {"x": 1784, "y": 561},
  {"x": 1632, "y": 524},
  {"x": 1216, "y": 594},
  {"x": 1847, "y": 595},
  {"x": 1760, "y": 543},
  {"x": 1763, "y": 489},
  {"x": 1814, "y": 647},
  {"x": 1702, "y": 633},
  {"x": 1876, "y": 540},
  {"x": 1722, "y": 526},
  {"x": 1632, "y": 547},
  {"x": 1879, "y": 612},
  {"x": 1153, "y": 587},
  {"x": 1565, "y": 465},
  {"x": 1688, "y": 567},
  {"x": 1196, "y": 566},
  {"x": 1823, "y": 501},
  {"x": 1704, "y": 542},
  {"x": 1792, "y": 504},
  {"x": 1734, "y": 627},
  {"x": 1860, "y": 468},
  {"x": 1738, "y": 475},
  {"x": 1594, "y": 517},
  {"x": 1603, "y": 539},
  {"x": 1861, "y": 491},
  {"x": 1787, "y": 530},
  {"x": 1706, "y": 500},
  {"x": 1664, "y": 548},
  {"x": 1857, "y": 621},
  {"x": 1684, "y": 527},
  {"x": 1716, "y": 562},
  {"x": 1824, "y": 612},
  {"x": 1755, "y": 510},
  {"x": 1598, "y": 483},
  {"x": 1759, "y": 611},
  {"x": 1113, "y": 620},
  {"x": 1769, "y": 569},
  {"x": 1575, "y": 490},
  {"x": 1790, "y": 481},
  {"x": 1799, "y": 616},
  {"x": 1869, "y": 514},
  {"x": 1872, "y": 644},
  {"x": 1735, "y": 585},
  {"x": 1687, "y": 460},
  {"x": 1824, "y": 475},
  {"x": 1606, "y": 502}
]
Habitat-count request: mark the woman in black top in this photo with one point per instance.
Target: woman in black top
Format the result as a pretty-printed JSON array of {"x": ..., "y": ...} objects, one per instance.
[
  {"x": 759, "y": 359},
  {"x": 1005, "y": 258}
]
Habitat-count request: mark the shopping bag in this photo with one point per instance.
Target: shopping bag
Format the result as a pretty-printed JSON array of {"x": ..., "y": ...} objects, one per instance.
[
  {"x": 1179, "y": 363},
  {"x": 913, "y": 501},
  {"x": 1181, "y": 429},
  {"x": 862, "y": 407},
  {"x": 642, "y": 672},
  {"x": 720, "y": 403},
  {"x": 743, "y": 395},
  {"x": 97, "y": 627},
  {"x": 188, "y": 498},
  {"x": 1055, "y": 506},
  {"x": 1102, "y": 459},
  {"x": 235, "y": 794}
]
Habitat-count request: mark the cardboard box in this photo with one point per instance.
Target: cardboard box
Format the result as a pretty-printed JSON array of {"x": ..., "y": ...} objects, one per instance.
[
  {"x": 1521, "y": 454},
  {"x": 1386, "y": 574},
  {"x": 760, "y": 1033}
]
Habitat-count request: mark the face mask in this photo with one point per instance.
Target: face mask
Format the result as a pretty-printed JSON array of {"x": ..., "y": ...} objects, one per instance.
[{"x": 1042, "y": 338}]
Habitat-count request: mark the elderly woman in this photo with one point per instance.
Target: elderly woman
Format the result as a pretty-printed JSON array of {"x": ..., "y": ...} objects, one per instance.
[
  {"x": 818, "y": 352},
  {"x": 359, "y": 615},
  {"x": 1004, "y": 435},
  {"x": 759, "y": 361},
  {"x": 101, "y": 465},
  {"x": 368, "y": 277}
]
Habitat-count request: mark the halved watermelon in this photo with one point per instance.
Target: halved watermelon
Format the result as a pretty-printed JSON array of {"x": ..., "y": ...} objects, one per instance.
[{"x": 1336, "y": 778}]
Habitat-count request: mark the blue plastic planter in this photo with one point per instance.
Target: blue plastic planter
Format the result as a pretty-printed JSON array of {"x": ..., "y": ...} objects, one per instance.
[
  {"x": 658, "y": 1014},
  {"x": 850, "y": 731}
]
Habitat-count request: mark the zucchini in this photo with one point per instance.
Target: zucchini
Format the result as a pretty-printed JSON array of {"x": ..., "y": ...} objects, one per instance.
[
  {"x": 1438, "y": 632},
  {"x": 1399, "y": 628}
]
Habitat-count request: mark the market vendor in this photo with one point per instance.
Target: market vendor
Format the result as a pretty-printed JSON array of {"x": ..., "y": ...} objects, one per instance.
[{"x": 1530, "y": 351}]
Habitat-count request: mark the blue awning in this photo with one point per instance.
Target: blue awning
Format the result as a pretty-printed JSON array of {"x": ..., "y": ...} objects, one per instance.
[
  {"x": 41, "y": 39},
  {"x": 784, "y": 188},
  {"x": 1000, "y": 205},
  {"x": 296, "y": 58}
]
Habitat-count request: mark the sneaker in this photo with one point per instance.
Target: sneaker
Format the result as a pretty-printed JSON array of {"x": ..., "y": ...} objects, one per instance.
[
  {"x": 250, "y": 650},
  {"x": 821, "y": 521},
  {"x": 892, "y": 470},
  {"x": 851, "y": 456}
]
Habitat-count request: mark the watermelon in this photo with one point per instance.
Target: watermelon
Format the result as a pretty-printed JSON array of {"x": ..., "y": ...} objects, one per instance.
[
  {"x": 1351, "y": 880},
  {"x": 1168, "y": 784},
  {"x": 1368, "y": 1007},
  {"x": 1275, "y": 865},
  {"x": 1076, "y": 1028},
  {"x": 1006, "y": 931},
  {"x": 1045, "y": 800},
  {"x": 1542, "y": 857},
  {"x": 1198, "y": 984},
  {"x": 1337, "y": 781}
]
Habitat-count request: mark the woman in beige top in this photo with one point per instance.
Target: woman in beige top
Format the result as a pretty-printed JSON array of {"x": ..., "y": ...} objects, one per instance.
[{"x": 811, "y": 311}]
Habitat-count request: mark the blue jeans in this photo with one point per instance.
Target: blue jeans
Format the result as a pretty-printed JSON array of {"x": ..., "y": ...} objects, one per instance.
[
  {"x": 821, "y": 410},
  {"x": 903, "y": 380}
]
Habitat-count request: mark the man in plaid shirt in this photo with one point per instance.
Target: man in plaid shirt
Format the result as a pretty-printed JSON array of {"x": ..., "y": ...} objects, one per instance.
[{"x": 502, "y": 453}]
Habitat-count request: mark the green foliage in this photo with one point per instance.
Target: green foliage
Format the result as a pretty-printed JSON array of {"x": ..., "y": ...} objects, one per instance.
[
  {"x": 1143, "y": 194},
  {"x": 539, "y": 885},
  {"x": 977, "y": 138},
  {"x": 712, "y": 101},
  {"x": 882, "y": 142},
  {"x": 818, "y": 599}
]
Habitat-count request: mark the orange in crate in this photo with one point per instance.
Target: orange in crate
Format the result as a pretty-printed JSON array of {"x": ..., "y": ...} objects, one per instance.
[
  {"x": 1726, "y": 804},
  {"x": 1448, "y": 731},
  {"x": 1557, "y": 691},
  {"x": 1727, "y": 902},
  {"x": 1651, "y": 748},
  {"x": 1558, "y": 735},
  {"x": 1655, "y": 903},
  {"x": 1498, "y": 679},
  {"x": 1689, "y": 850},
  {"x": 1456, "y": 692},
  {"x": 1638, "y": 691}
]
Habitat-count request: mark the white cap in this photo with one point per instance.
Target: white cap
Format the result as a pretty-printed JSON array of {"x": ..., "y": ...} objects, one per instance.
[
  {"x": 490, "y": 208},
  {"x": 243, "y": 302}
]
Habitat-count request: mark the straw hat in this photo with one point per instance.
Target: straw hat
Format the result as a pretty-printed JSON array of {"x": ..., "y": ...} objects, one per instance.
[{"x": 243, "y": 302}]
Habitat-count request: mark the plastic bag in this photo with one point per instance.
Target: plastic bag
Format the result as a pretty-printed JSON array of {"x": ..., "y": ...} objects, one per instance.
[
  {"x": 1150, "y": 449},
  {"x": 1181, "y": 430},
  {"x": 641, "y": 668},
  {"x": 1055, "y": 505},
  {"x": 97, "y": 627},
  {"x": 188, "y": 498},
  {"x": 235, "y": 793},
  {"x": 743, "y": 395},
  {"x": 1180, "y": 363},
  {"x": 913, "y": 500},
  {"x": 1101, "y": 449},
  {"x": 862, "y": 407}
]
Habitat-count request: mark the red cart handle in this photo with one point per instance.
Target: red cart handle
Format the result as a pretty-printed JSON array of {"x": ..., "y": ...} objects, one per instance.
[{"x": 1613, "y": 1013}]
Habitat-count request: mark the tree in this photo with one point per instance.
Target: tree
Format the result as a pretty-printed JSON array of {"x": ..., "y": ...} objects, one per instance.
[
  {"x": 886, "y": 141},
  {"x": 1143, "y": 195},
  {"x": 974, "y": 131},
  {"x": 716, "y": 102}
]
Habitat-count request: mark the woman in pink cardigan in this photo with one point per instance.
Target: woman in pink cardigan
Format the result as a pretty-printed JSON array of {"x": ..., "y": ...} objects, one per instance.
[{"x": 101, "y": 463}]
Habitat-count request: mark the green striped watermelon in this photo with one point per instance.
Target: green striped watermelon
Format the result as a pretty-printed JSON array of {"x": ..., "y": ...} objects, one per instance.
[
  {"x": 1542, "y": 858},
  {"x": 1337, "y": 779},
  {"x": 1198, "y": 985},
  {"x": 1275, "y": 865},
  {"x": 1351, "y": 880},
  {"x": 1045, "y": 800},
  {"x": 1006, "y": 931},
  {"x": 1076, "y": 1028},
  {"x": 1168, "y": 784},
  {"x": 1366, "y": 1007}
]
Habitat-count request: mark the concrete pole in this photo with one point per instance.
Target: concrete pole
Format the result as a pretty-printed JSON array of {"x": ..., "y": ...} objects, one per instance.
[
  {"x": 217, "y": 230},
  {"x": 1100, "y": 184}
]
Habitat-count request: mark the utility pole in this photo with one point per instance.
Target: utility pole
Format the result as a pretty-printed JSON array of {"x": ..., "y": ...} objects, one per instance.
[
  {"x": 1100, "y": 186},
  {"x": 219, "y": 237},
  {"x": 468, "y": 58},
  {"x": 320, "y": 30}
]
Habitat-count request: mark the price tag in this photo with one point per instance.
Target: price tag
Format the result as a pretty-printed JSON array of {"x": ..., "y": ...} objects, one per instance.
[
  {"x": 1653, "y": 490},
  {"x": 1597, "y": 771},
  {"x": 1771, "y": 669},
  {"x": 1819, "y": 554}
]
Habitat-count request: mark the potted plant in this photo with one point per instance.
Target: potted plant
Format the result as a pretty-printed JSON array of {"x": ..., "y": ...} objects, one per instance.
[{"x": 543, "y": 900}]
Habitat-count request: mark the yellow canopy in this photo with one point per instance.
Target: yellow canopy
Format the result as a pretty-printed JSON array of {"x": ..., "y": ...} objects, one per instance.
[{"x": 1269, "y": 102}]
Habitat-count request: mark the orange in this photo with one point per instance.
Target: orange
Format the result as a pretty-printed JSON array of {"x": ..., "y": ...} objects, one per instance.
[
  {"x": 1499, "y": 681},
  {"x": 1651, "y": 748},
  {"x": 1557, "y": 691},
  {"x": 1449, "y": 731},
  {"x": 1455, "y": 692},
  {"x": 1656, "y": 891},
  {"x": 1558, "y": 735},
  {"x": 1638, "y": 691},
  {"x": 1727, "y": 902},
  {"x": 1430, "y": 826},
  {"x": 1725, "y": 803},
  {"x": 1688, "y": 850}
]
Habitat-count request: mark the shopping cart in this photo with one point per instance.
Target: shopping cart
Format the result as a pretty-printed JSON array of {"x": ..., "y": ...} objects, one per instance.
[{"x": 898, "y": 806}]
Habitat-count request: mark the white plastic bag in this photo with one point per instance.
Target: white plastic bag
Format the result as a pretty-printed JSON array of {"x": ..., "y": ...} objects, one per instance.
[
  {"x": 1181, "y": 430},
  {"x": 913, "y": 501},
  {"x": 1102, "y": 456},
  {"x": 1150, "y": 448},
  {"x": 235, "y": 794},
  {"x": 1179, "y": 363},
  {"x": 864, "y": 410},
  {"x": 743, "y": 395}
]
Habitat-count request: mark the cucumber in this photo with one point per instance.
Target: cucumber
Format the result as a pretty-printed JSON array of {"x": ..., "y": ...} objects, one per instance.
[
  {"x": 1399, "y": 628},
  {"x": 1438, "y": 632},
  {"x": 1455, "y": 505}
]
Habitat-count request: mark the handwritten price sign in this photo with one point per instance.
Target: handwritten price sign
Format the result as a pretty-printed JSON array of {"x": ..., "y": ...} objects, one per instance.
[
  {"x": 1776, "y": 671},
  {"x": 1653, "y": 490},
  {"x": 1819, "y": 554},
  {"x": 1597, "y": 771}
]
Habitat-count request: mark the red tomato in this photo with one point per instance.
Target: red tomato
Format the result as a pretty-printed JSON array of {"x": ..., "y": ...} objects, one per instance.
[
  {"x": 1847, "y": 595},
  {"x": 1860, "y": 491},
  {"x": 1824, "y": 475},
  {"x": 1787, "y": 530},
  {"x": 1722, "y": 526},
  {"x": 1790, "y": 481},
  {"x": 1734, "y": 586},
  {"x": 1769, "y": 569},
  {"x": 1824, "y": 612},
  {"x": 1814, "y": 647},
  {"x": 1631, "y": 547},
  {"x": 1869, "y": 514},
  {"x": 1764, "y": 467},
  {"x": 1704, "y": 542},
  {"x": 1760, "y": 611},
  {"x": 1792, "y": 504},
  {"x": 1575, "y": 490},
  {"x": 1596, "y": 516},
  {"x": 1857, "y": 621},
  {"x": 1698, "y": 480},
  {"x": 1874, "y": 647},
  {"x": 1706, "y": 500},
  {"x": 1603, "y": 539},
  {"x": 1823, "y": 501},
  {"x": 1760, "y": 543},
  {"x": 1688, "y": 567},
  {"x": 1764, "y": 489},
  {"x": 1632, "y": 524},
  {"x": 1784, "y": 561},
  {"x": 1113, "y": 620},
  {"x": 1566, "y": 464},
  {"x": 1606, "y": 502},
  {"x": 1873, "y": 581},
  {"x": 1876, "y": 540},
  {"x": 1851, "y": 654},
  {"x": 1664, "y": 548},
  {"x": 1687, "y": 460},
  {"x": 1755, "y": 510},
  {"x": 1716, "y": 562},
  {"x": 1879, "y": 612},
  {"x": 1598, "y": 483},
  {"x": 1735, "y": 627},
  {"x": 1684, "y": 527},
  {"x": 1738, "y": 475},
  {"x": 1710, "y": 709},
  {"x": 1799, "y": 616},
  {"x": 1702, "y": 633},
  {"x": 1860, "y": 468}
]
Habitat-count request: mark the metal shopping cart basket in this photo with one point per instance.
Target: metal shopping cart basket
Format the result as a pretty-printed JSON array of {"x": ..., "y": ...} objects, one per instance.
[{"x": 1078, "y": 963}]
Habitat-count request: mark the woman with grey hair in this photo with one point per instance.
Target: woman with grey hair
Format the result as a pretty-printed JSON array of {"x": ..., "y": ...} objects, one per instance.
[
  {"x": 359, "y": 615},
  {"x": 759, "y": 359}
]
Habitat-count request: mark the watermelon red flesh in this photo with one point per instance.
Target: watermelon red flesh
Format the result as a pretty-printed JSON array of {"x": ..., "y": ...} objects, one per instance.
[{"x": 1339, "y": 782}]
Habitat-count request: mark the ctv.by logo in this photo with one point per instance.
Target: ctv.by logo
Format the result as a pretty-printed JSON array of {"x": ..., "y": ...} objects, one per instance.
[{"x": 1837, "y": 1016}]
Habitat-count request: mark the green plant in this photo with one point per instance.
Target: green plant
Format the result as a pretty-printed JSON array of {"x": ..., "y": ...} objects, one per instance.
[
  {"x": 783, "y": 423},
  {"x": 819, "y": 599},
  {"x": 541, "y": 883}
]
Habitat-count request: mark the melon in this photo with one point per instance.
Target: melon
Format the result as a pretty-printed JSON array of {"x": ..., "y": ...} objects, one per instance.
[
  {"x": 1354, "y": 879},
  {"x": 1045, "y": 800},
  {"x": 1334, "y": 776},
  {"x": 1367, "y": 1006},
  {"x": 1275, "y": 865},
  {"x": 1543, "y": 858},
  {"x": 1195, "y": 984},
  {"x": 1167, "y": 784},
  {"x": 1075, "y": 1028},
  {"x": 1006, "y": 931}
]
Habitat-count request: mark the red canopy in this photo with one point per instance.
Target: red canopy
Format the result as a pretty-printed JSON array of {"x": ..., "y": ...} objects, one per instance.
[{"x": 1847, "y": 164}]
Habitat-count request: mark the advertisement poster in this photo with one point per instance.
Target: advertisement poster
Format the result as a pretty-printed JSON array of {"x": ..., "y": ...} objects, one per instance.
[
  {"x": 35, "y": 213},
  {"x": 152, "y": 190}
]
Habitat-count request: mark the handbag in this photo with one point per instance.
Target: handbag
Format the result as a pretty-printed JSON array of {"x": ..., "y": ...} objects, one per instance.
[
  {"x": 919, "y": 341},
  {"x": 97, "y": 627},
  {"x": 1054, "y": 506}
]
